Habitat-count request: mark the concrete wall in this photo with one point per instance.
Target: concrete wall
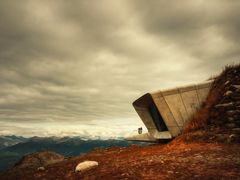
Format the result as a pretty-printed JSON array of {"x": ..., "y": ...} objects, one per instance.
[
  {"x": 146, "y": 118},
  {"x": 176, "y": 107}
]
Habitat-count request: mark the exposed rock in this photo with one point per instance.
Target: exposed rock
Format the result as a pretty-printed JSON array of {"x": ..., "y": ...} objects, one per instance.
[
  {"x": 39, "y": 159},
  {"x": 228, "y": 93},
  {"x": 224, "y": 105},
  {"x": 236, "y": 86},
  {"x": 41, "y": 168},
  {"x": 232, "y": 138},
  {"x": 226, "y": 83},
  {"x": 231, "y": 113},
  {"x": 86, "y": 165},
  {"x": 236, "y": 129}
]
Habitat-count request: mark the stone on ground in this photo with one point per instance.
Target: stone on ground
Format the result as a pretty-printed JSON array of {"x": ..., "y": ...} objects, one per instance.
[{"x": 86, "y": 165}]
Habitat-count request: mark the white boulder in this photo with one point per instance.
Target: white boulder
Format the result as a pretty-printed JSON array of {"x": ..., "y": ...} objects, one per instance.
[
  {"x": 41, "y": 168},
  {"x": 86, "y": 165}
]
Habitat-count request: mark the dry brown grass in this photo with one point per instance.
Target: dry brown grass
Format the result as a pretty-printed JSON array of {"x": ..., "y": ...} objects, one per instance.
[
  {"x": 161, "y": 162},
  {"x": 201, "y": 118}
]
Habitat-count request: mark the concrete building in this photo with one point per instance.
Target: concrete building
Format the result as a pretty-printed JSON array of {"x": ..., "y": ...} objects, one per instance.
[{"x": 166, "y": 113}]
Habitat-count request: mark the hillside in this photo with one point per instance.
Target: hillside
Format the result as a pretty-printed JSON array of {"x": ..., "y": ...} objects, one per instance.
[
  {"x": 6, "y": 141},
  {"x": 39, "y": 159},
  {"x": 209, "y": 148},
  {"x": 67, "y": 146},
  {"x": 219, "y": 118}
]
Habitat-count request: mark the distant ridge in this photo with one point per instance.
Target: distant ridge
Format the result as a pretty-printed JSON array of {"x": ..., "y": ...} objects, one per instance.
[{"x": 67, "y": 146}]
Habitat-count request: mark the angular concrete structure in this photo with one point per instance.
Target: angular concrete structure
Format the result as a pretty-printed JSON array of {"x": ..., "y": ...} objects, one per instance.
[{"x": 166, "y": 113}]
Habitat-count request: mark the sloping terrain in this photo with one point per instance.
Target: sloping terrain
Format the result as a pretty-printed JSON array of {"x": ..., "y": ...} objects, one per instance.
[
  {"x": 39, "y": 159},
  {"x": 208, "y": 149},
  {"x": 173, "y": 161},
  {"x": 219, "y": 118},
  {"x": 67, "y": 146},
  {"x": 6, "y": 141}
]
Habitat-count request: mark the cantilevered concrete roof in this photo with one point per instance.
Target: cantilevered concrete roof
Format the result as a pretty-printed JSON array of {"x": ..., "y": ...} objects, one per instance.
[{"x": 165, "y": 113}]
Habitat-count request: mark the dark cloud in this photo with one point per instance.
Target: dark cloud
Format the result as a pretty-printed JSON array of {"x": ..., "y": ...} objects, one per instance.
[
  {"x": 86, "y": 61},
  {"x": 208, "y": 31}
]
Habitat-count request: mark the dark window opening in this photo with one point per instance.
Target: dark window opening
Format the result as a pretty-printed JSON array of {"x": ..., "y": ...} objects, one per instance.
[{"x": 157, "y": 118}]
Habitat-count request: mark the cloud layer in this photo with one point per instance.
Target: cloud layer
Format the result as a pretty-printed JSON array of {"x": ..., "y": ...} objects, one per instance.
[{"x": 84, "y": 62}]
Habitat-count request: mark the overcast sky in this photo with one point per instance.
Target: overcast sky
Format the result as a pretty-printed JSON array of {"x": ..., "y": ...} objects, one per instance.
[{"x": 71, "y": 67}]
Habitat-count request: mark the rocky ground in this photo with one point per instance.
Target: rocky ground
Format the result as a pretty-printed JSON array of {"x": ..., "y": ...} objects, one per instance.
[
  {"x": 39, "y": 159},
  {"x": 209, "y": 148},
  {"x": 219, "y": 118},
  {"x": 173, "y": 161}
]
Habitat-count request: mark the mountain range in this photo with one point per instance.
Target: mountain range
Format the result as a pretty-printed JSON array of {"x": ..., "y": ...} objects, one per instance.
[{"x": 12, "y": 148}]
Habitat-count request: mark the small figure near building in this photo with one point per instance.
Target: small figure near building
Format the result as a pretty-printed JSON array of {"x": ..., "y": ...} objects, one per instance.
[{"x": 140, "y": 130}]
